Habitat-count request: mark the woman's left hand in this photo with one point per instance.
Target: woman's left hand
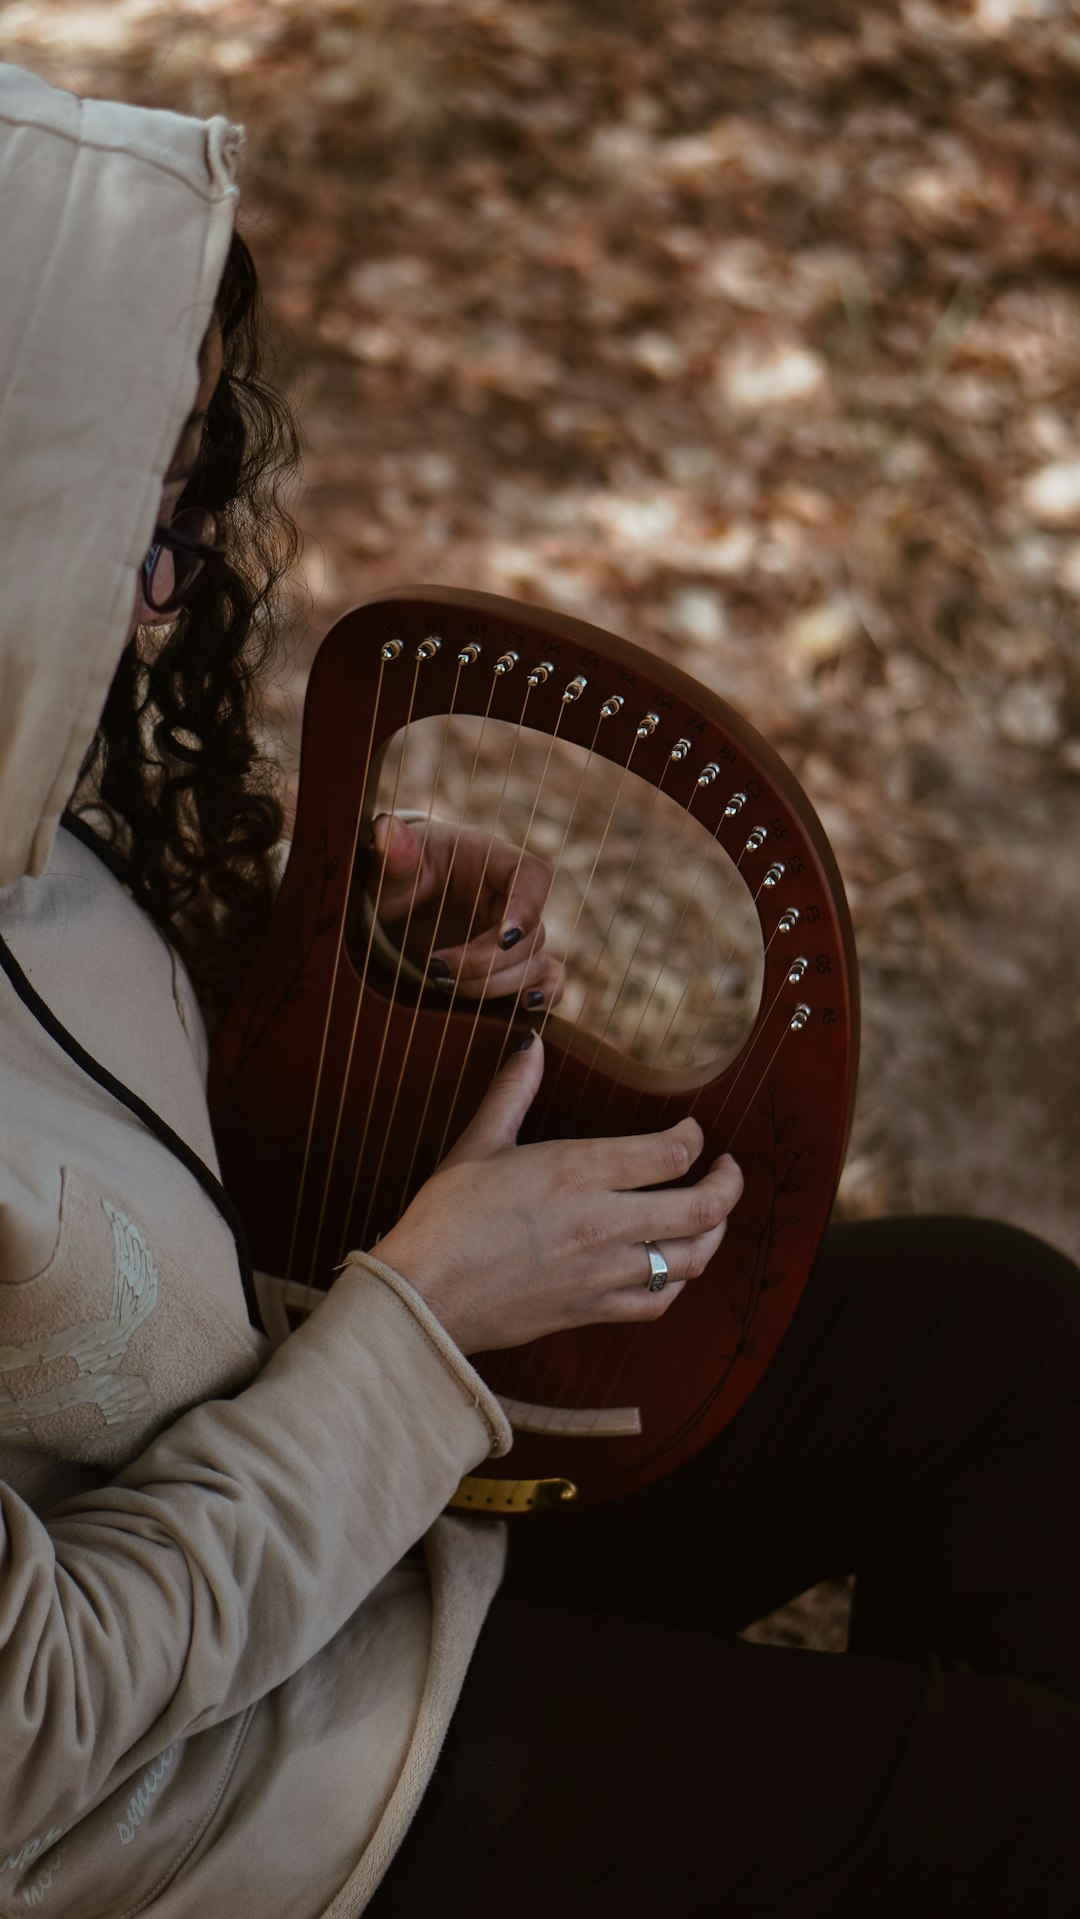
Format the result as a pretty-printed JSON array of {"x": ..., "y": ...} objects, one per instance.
[{"x": 466, "y": 909}]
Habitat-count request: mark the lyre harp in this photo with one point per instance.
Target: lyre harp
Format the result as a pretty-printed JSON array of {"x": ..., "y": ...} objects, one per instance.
[{"x": 337, "y": 1080}]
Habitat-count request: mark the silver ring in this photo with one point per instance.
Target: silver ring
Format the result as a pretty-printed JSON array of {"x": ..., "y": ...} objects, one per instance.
[{"x": 658, "y": 1268}]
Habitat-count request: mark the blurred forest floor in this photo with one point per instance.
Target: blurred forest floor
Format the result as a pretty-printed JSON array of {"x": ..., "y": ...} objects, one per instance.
[{"x": 754, "y": 334}]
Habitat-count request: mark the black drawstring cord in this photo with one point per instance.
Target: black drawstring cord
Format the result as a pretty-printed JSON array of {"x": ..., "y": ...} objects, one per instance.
[
  {"x": 110, "y": 856},
  {"x": 101, "y": 1076}
]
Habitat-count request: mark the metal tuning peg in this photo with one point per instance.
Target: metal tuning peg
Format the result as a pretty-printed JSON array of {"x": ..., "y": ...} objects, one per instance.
[
  {"x": 575, "y": 689},
  {"x": 506, "y": 662},
  {"x": 390, "y": 650},
  {"x": 428, "y": 648},
  {"x": 612, "y": 706},
  {"x": 541, "y": 674},
  {"x": 469, "y": 654}
]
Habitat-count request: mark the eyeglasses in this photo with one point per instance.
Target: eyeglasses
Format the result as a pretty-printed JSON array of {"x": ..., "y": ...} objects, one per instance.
[{"x": 176, "y": 566}]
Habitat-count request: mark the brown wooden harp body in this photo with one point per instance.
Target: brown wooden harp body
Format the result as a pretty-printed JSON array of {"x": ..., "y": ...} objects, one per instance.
[{"x": 337, "y": 1084}]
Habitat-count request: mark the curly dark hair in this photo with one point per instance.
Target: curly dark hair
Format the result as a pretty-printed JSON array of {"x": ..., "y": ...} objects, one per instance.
[{"x": 175, "y": 781}]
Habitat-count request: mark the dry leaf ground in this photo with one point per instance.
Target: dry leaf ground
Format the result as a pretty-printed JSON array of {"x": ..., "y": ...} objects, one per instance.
[{"x": 753, "y": 333}]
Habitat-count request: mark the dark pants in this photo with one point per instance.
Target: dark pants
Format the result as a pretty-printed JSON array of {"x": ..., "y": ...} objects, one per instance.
[{"x": 618, "y": 1750}]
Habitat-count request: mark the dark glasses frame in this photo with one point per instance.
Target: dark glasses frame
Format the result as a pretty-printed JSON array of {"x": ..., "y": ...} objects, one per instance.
[{"x": 198, "y": 557}]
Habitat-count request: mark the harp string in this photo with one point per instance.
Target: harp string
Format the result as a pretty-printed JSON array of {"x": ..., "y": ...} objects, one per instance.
[
  {"x": 626, "y": 1338},
  {"x": 611, "y": 1376},
  {"x": 529, "y": 1389},
  {"x": 749, "y": 914},
  {"x": 452, "y": 1113},
  {"x": 721, "y": 1046},
  {"x": 400, "y": 942},
  {"x": 553, "y": 1087},
  {"x": 750, "y": 1048},
  {"x": 444, "y": 1029},
  {"x": 533, "y": 1386},
  {"x": 540, "y": 785},
  {"x": 736, "y": 866},
  {"x": 331, "y": 1159},
  {"x": 453, "y": 996},
  {"x": 309, "y": 1135},
  {"x": 654, "y": 797},
  {"x": 524, "y": 841},
  {"x": 662, "y": 961},
  {"x": 674, "y": 842},
  {"x": 615, "y": 1338},
  {"x": 672, "y": 941},
  {"x": 753, "y": 911},
  {"x": 432, "y": 1074},
  {"x": 763, "y": 1076},
  {"x": 725, "y": 969}
]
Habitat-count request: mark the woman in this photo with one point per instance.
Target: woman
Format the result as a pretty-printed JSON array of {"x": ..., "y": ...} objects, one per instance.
[{"x": 233, "y": 1625}]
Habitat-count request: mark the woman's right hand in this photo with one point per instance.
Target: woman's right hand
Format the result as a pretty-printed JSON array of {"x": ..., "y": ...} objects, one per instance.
[{"x": 507, "y": 1242}]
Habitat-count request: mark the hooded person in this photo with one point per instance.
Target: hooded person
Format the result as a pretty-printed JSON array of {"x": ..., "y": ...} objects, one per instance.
[
  {"x": 220, "y": 1688},
  {"x": 233, "y": 1622}
]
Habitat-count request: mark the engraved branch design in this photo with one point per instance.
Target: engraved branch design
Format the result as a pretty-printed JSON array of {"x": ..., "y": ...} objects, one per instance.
[{"x": 781, "y": 1168}]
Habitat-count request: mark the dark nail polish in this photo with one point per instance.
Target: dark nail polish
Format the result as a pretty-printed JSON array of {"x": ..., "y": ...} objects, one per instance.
[
  {"x": 535, "y": 998},
  {"x": 511, "y": 937},
  {"x": 523, "y": 1045},
  {"x": 439, "y": 972}
]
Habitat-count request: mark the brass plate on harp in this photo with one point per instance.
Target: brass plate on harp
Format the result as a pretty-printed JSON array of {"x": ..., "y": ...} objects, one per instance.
[{"x": 509, "y": 1496}]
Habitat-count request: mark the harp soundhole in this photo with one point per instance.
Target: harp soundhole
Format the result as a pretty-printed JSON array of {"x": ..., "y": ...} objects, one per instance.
[{"x": 653, "y": 921}]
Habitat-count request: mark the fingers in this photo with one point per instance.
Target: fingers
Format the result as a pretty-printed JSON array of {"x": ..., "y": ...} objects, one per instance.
[
  {"x": 528, "y": 882},
  {"x": 543, "y": 988},
  {"x": 686, "y": 1260},
  {"x": 473, "y": 907},
  {"x": 497, "y": 1119},
  {"x": 630, "y": 1298},
  {"x": 685, "y": 1223},
  {"x": 650, "y": 1159},
  {"x": 537, "y": 980},
  {"x": 399, "y": 852},
  {"x": 507, "y": 931},
  {"x": 637, "y": 1304},
  {"x": 681, "y": 1214}
]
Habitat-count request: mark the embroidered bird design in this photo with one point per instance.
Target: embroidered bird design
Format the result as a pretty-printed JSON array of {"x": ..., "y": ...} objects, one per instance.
[{"x": 96, "y": 1345}]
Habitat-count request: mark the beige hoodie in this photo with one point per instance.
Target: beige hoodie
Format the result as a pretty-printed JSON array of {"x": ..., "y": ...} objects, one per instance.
[{"x": 221, "y": 1689}]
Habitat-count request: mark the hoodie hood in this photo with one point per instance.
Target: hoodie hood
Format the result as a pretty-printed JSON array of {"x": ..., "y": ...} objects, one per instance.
[{"x": 115, "y": 223}]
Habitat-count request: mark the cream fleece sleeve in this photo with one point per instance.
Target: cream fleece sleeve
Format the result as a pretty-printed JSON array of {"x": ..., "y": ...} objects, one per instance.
[{"x": 225, "y": 1556}]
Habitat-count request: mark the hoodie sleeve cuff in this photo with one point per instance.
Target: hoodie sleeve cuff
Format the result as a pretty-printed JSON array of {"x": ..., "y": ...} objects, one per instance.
[{"x": 479, "y": 1395}]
